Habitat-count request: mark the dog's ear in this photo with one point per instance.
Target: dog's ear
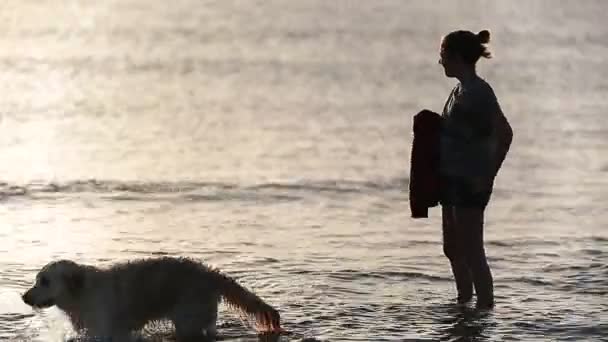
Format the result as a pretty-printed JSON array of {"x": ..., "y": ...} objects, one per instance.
[{"x": 74, "y": 280}]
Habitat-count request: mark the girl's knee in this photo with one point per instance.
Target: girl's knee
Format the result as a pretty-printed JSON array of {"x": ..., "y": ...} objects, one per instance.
[
  {"x": 452, "y": 251},
  {"x": 476, "y": 257}
]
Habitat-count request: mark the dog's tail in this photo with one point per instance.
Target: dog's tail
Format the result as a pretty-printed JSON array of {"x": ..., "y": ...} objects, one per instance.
[{"x": 266, "y": 318}]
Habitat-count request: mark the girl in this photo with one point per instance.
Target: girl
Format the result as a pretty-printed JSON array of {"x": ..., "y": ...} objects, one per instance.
[{"x": 475, "y": 139}]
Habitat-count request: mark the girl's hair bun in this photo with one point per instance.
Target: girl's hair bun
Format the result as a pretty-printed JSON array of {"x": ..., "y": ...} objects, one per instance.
[{"x": 484, "y": 36}]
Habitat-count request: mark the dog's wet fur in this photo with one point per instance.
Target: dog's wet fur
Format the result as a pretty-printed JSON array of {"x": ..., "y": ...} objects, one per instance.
[{"x": 116, "y": 301}]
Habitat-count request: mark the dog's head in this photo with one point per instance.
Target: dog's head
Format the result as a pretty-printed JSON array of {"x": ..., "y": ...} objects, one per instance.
[{"x": 56, "y": 282}]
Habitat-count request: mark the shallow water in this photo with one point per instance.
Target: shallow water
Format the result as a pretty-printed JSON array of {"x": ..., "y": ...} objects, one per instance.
[{"x": 272, "y": 139}]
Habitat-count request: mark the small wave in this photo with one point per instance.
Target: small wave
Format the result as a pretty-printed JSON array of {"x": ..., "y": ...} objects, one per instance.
[
  {"x": 530, "y": 281},
  {"x": 600, "y": 292},
  {"x": 16, "y": 317},
  {"x": 349, "y": 274},
  {"x": 342, "y": 186},
  {"x": 523, "y": 242},
  {"x": 194, "y": 191},
  {"x": 423, "y": 242},
  {"x": 109, "y": 186},
  {"x": 592, "y": 251},
  {"x": 499, "y": 244},
  {"x": 599, "y": 239},
  {"x": 565, "y": 268}
]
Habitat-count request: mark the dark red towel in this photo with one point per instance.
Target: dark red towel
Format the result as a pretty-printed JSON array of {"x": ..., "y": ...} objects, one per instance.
[{"x": 424, "y": 163}]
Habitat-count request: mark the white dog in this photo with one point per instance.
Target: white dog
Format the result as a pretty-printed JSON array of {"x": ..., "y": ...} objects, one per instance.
[{"x": 112, "y": 303}]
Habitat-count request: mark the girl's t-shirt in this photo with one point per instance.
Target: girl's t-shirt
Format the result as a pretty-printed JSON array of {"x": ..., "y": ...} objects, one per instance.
[{"x": 467, "y": 132}]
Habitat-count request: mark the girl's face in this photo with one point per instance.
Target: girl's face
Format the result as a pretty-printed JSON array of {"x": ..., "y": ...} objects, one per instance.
[{"x": 452, "y": 64}]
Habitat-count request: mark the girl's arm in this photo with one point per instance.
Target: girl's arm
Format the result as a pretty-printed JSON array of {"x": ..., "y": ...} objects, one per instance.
[{"x": 504, "y": 137}]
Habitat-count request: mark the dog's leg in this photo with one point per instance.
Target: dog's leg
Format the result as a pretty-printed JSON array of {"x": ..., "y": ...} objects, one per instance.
[
  {"x": 105, "y": 329},
  {"x": 187, "y": 335},
  {"x": 188, "y": 327},
  {"x": 197, "y": 323},
  {"x": 122, "y": 337},
  {"x": 210, "y": 324},
  {"x": 196, "y": 320},
  {"x": 211, "y": 329},
  {"x": 209, "y": 321}
]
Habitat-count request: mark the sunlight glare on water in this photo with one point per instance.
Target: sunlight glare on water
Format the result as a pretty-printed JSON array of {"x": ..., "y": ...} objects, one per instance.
[{"x": 272, "y": 139}]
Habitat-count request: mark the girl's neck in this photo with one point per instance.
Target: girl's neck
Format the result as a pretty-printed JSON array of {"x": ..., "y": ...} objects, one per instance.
[{"x": 467, "y": 76}]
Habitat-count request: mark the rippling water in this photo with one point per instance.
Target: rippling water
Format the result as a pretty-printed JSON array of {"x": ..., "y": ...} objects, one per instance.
[{"x": 272, "y": 139}]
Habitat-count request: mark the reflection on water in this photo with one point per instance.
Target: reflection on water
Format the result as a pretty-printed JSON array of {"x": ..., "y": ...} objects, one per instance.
[
  {"x": 466, "y": 324},
  {"x": 272, "y": 139}
]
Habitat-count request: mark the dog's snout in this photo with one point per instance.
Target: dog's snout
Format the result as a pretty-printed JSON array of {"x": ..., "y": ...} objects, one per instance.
[{"x": 27, "y": 298}]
